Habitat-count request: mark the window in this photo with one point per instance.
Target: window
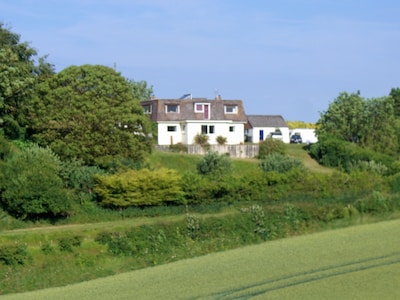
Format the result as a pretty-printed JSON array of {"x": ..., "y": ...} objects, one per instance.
[
  {"x": 203, "y": 108},
  {"x": 198, "y": 108},
  {"x": 207, "y": 129},
  {"x": 231, "y": 128},
  {"x": 231, "y": 109},
  {"x": 172, "y": 108},
  {"x": 147, "y": 109},
  {"x": 171, "y": 128}
]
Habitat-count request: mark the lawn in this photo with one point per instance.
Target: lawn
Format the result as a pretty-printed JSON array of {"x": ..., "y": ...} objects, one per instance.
[{"x": 360, "y": 262}]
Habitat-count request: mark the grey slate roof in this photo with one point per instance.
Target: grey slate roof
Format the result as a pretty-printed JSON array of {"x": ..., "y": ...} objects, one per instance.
[
  {"x": 186, "y": 110},
  {"x": 266, "y": 121}
]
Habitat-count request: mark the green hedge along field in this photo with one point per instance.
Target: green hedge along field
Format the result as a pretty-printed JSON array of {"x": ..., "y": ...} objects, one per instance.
[{"x": 360, "y": 262}]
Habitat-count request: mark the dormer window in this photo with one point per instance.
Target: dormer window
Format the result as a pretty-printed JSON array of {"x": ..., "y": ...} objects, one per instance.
[
  {"x": 231, "y": 109},
  {"x": 147, "y": 109},
  {"x": 203, "y": 108},
  {"x": 172, "y": 108}
]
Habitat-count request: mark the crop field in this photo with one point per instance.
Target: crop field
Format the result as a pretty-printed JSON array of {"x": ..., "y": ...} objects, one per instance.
[{"x": 360, "y": 262}]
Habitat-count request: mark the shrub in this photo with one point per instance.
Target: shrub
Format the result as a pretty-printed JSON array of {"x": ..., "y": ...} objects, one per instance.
[
  {"x": 271, "y": 146},
  {"x": 201, "y": 139},
  {"x": 333, "y": 152},
  {"x": 68, "y": 243},
  {"x": 15, "y": 254},
  {"x": 139, "y": 188},
  {"x": 31, "y": 185},
  {"x": 280, "y": 163},
  {"x": 368, "y": 166},
  {"x": 179, "y": 147},
  {"x": 214, "y": 164},
  {"x": 221, "y": 140},
  {"x": 47, "y": 248}
]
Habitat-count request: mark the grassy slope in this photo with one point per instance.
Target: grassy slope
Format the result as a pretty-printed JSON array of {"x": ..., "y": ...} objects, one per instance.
[
  {"x": 360, "y": 262},
  {"x": 184, "y": 162}
]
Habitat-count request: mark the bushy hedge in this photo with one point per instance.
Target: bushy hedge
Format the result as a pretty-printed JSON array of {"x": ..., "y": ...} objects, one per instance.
[
  {"x": 333, "y": 152},
  {"x": 270, "y": 146},
  {"x": 138, "y": 188}
]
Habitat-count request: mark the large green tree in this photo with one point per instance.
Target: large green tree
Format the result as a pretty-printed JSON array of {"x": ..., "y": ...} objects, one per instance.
[
  {"x": 344, "y": 118},
  {"x": 370, "y": 123},
  {"x": 20, "y": 70},
  {"x": 89, "y": 112}
]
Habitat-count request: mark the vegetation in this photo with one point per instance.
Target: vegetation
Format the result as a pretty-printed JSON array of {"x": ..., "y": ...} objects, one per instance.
[
  {"x": 270, "y": 146},
  {"x": 89, "y": 113},
  {"x": 81, "y": 186}
]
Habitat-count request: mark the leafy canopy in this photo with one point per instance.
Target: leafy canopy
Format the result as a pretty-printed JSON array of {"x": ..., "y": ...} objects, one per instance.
[
  {"x": 89, "y": 113},
  {"x": 18, "y": 76}
]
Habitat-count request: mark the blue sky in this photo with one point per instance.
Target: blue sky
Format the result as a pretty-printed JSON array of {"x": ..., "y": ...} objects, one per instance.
[{"x": 286, "y": 57}]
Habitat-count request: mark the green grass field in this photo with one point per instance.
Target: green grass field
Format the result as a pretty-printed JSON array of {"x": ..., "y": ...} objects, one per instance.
[{"x": 360, "y": 262}]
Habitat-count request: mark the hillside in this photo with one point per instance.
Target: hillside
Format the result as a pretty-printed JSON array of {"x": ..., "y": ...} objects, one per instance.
[{"x": 365, "y": 266}]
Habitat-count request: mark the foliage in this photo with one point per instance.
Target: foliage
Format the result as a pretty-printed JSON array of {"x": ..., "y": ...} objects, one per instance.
[
  {"x": 214, "y": 164},
  {"x": 140, "y": 90},
  {"x": 369, "y": 123},
  {"x": 179, "y": 147},
  {"x": 31, "y": 186},
  {"x": 221, "y": 140},
  {"x": 67, "y": 244},
  {"x": 18, "y": 76},
  {"x": 343, "y": 118},
  {"x": 368, "y": 166},
  {"x": 14, "y": 254},
  {"x": 333, "y": 152},
  {"x": 78, "y": 177},
  {"x": 89, "y": 113},
  {"x": 201, "y": 139},
  {"x": 270, "y": 146},
  {"x": 258, "y": 217},
  {"x": 138, "y": 188},
  {"x": 280, "y": 163}
]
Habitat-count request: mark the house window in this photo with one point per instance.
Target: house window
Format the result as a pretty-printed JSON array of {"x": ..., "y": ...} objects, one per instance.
[
  {"x": 203, "y": 108},
  {"x": 172, "y": 108},
  {"x": 171, "y": 128},
  {"x": 198, "y": 108},
  {"x": 231, "y": 109},
  {"x": 231, "y": 128},
  {"x": 207, "y": 129},
  {"x": 147, "y": 109}
]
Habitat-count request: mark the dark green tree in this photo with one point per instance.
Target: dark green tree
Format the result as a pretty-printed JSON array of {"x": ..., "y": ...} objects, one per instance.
[
  {"x": 89, "y": 113},
  {"x": 30, "y": 186},
  {"x": 379, "y": 130}
]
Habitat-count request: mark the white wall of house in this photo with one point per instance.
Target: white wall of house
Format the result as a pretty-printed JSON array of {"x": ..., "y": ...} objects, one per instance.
[
  {"x": 169, "y": 133},
  {"x": 254, "y": 133},
  {"x": 173, "y": 132}
]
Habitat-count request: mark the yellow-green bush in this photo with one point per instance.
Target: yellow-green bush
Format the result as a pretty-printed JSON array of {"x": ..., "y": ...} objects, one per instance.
[{"x": 139, "y": 188}]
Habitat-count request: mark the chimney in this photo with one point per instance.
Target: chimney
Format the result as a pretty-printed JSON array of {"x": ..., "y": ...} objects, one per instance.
[{"x": 218, "y": 97}]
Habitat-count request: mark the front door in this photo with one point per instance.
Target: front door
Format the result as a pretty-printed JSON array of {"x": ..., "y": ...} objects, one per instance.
[{"x": 261, "y": 135}]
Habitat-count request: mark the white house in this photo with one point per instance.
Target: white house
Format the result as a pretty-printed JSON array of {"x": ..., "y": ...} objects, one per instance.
[
  {"x": 260, "y": 127},
  {"x": 180, "y": 120}
]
